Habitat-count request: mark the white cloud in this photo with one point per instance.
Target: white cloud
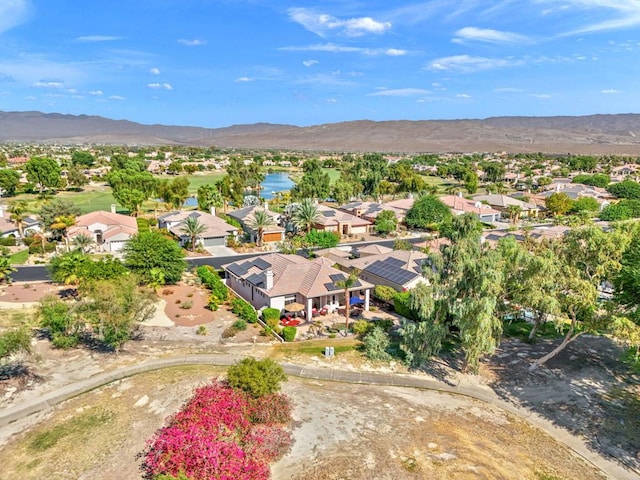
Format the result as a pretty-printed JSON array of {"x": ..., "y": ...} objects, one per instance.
[
  {"x": 13, "y": 13},
  {"x": 334, "y": 48},
  {"x": 488, "y": 35},
  {"x": 399, "y": 92},
  {"x": 322, "y": 24},
  {"x": 196, "y": 42},
  {"x": 610, "y": 91},
  {"x": 395, "y": 52},
  {"x": 116, "y": 97},
  {"x": 154, "y": 71},
  {"x": 96, "y": 93},
  {"x": 98, "y": 38},
  {"x": 160, "y": 86},
  {"x": 331, "y": 100},
  {"x": 310, "y": 63},
  {"x": 627, "y": 14},
  {"x": 463, "y": 95},
  {"x": 44, "y": 83},
  {"x": 243, "y": 79},
  {"x": 542, "y": 96},
  {"x": 466, "y": 64}
]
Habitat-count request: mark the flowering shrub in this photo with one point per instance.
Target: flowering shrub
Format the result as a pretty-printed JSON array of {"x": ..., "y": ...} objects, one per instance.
[{"x": 221, "y": 434}]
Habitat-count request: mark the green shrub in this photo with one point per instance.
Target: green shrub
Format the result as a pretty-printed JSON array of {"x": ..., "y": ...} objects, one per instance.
[
  {"x": 376, "y": 344},
  {"x": 210, "y": 279},
  {"x": 229, "y": 332},
  {"x": 361, "y": 327},
  {"x": 240, "y": 325},
  {"x": 274, "y": 325},
  {"x": 186, "y": 305},
  {"x": 244, "y": 310},
  {"x": 8, "y": 241},
  {"x": 384, "y": 293},
  {"x": 256, "y": 377},
  {"x": 289, "y": 333},
  {"x": 270, "y": 313},
  {"x": 202, "y": 330},
  {"x": 143, "y": 224},
  {"x": 401, "y": 305}
]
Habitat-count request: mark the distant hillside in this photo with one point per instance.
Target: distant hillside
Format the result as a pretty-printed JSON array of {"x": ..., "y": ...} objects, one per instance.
[{"x": 593, "y": 134}]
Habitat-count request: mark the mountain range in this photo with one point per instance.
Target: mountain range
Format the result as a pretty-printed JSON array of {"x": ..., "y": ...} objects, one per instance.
[{"x": 593, "y": 134}]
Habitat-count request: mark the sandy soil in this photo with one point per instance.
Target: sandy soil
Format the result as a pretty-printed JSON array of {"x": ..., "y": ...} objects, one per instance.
[{"x": 340, "y": 431}]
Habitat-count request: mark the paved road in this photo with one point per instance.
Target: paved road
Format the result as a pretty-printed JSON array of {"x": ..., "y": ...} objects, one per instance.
[
  {"x": 39, "y": 273},
  {"x": 612, "y": 469}
]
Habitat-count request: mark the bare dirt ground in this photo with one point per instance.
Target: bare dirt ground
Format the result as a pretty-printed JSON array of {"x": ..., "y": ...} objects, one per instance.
[{"x": 340, "y": 431}]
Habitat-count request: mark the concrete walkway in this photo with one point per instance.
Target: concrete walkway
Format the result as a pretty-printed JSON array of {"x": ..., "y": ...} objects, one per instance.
[{"x": 613, "y": 470}]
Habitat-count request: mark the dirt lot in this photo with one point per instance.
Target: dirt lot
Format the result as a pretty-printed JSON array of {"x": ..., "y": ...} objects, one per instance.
[{"x": 340, "y": 431}]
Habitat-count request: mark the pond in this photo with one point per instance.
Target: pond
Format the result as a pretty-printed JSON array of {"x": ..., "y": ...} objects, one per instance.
[{"x": 275, "y": 182}]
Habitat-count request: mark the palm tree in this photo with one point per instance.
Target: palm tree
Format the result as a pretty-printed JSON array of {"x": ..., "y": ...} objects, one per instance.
[
  {"x": 514, "y": 212},
  {"x": 348, "y": 283},
  {"x": 193, "y": 228},
  {"x": 307, "y": 215},
  {"x": 62, "y": 224},
  {"x": 18, "y": 211},
  {"x": 82, "y": 242},
  {"x": 261, "y": 219}
]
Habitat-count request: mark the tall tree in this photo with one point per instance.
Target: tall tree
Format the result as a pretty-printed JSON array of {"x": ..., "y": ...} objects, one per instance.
[
  {"x": 148, "y": 250},
  {"x": 314, "y": 182},
  {"x": 259, "y": 221},
  {"x": 18, "y": 211},
  {"x": 174, "y": 191},
  {"x": 9, "y": 181},
  {"x": 209, "y": 196},
  {"x": 62, "y": 224},
  {"x": 193, "y": 229},
  {"x": 44, "y": 173},
  {"x": 347, "y": 284},
  {"x": 426, "y": 212},
  {"x": 306, "y": 215}
]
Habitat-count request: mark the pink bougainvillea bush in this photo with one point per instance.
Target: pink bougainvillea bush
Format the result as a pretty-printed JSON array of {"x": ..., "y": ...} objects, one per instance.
[{"x": 221, "y": 434}]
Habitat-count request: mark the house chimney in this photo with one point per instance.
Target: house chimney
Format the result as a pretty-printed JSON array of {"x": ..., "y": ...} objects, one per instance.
[
  {"x": 268, "y": 279},
  {"x": 212, "y": 210},
  {"x": 113, "y": 208},
  {"x": 266, "y": 206}
]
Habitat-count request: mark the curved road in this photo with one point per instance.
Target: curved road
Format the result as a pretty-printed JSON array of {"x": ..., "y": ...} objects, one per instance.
[{"x": 612, "y": 469}]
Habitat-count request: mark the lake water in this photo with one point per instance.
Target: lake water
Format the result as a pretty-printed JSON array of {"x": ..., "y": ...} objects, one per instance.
[{"x": 273, "y": 182}]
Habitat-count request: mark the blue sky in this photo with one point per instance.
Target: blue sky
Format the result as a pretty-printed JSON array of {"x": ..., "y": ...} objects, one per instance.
[{"x": 217, "y": 63}]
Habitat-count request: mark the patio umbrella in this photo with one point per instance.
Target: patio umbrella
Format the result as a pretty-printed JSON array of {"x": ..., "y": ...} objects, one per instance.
[
  {"x": 294, "y": 307},
  {"x": 355, "y": 301}
]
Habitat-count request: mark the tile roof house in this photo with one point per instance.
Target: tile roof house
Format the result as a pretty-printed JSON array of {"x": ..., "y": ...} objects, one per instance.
[
  {"x": 459, "y": 205},
  {"x": 399, "y": 269},
  {"x": 332, "y": 220},
  {"x": 8, "y": 227},
  {"x": 503, "y": 202},
  {"x": 216, "y": 232},
  {"x": 272, "y": 233},
  {"x": 110, "y": 231},
  {"x": 276, "y": 280}
]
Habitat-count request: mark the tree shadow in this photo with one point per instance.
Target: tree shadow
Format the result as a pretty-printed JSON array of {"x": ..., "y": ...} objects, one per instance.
[{"x": 586, "y": 390}]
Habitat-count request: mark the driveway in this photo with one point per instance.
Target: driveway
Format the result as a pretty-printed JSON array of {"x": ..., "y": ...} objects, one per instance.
[{"x": 221, "y": 251}]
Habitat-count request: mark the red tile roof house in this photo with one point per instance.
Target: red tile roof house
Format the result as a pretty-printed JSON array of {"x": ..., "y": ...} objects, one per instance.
[
  {"x": 343, "y": 223},
  {"x": 276, "y": 280},
  {"x": 110, "y": 231},
  {"x": 217, "y": 231},
  {"x": 460, "y": 205}
]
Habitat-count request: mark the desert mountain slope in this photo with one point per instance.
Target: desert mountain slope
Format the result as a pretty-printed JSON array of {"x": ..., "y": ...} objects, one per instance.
[{"x": 593, "y": 134}]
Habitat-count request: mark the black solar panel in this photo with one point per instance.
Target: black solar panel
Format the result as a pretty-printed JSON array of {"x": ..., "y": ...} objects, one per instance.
[
  {"x": 256, "y": 279},
  {"x": 261, "y": 264},
  {"x": 238, "y": 269},
  {"x": 337, "y": 277},
  {"x": 329, "y": 213}
]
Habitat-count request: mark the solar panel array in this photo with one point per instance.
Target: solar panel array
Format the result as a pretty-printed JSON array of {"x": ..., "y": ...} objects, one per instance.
[
  {"x": 238, "y": 269},
  {"x": 391, "y": 269},
  {"x": 262, "y": 264}
]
